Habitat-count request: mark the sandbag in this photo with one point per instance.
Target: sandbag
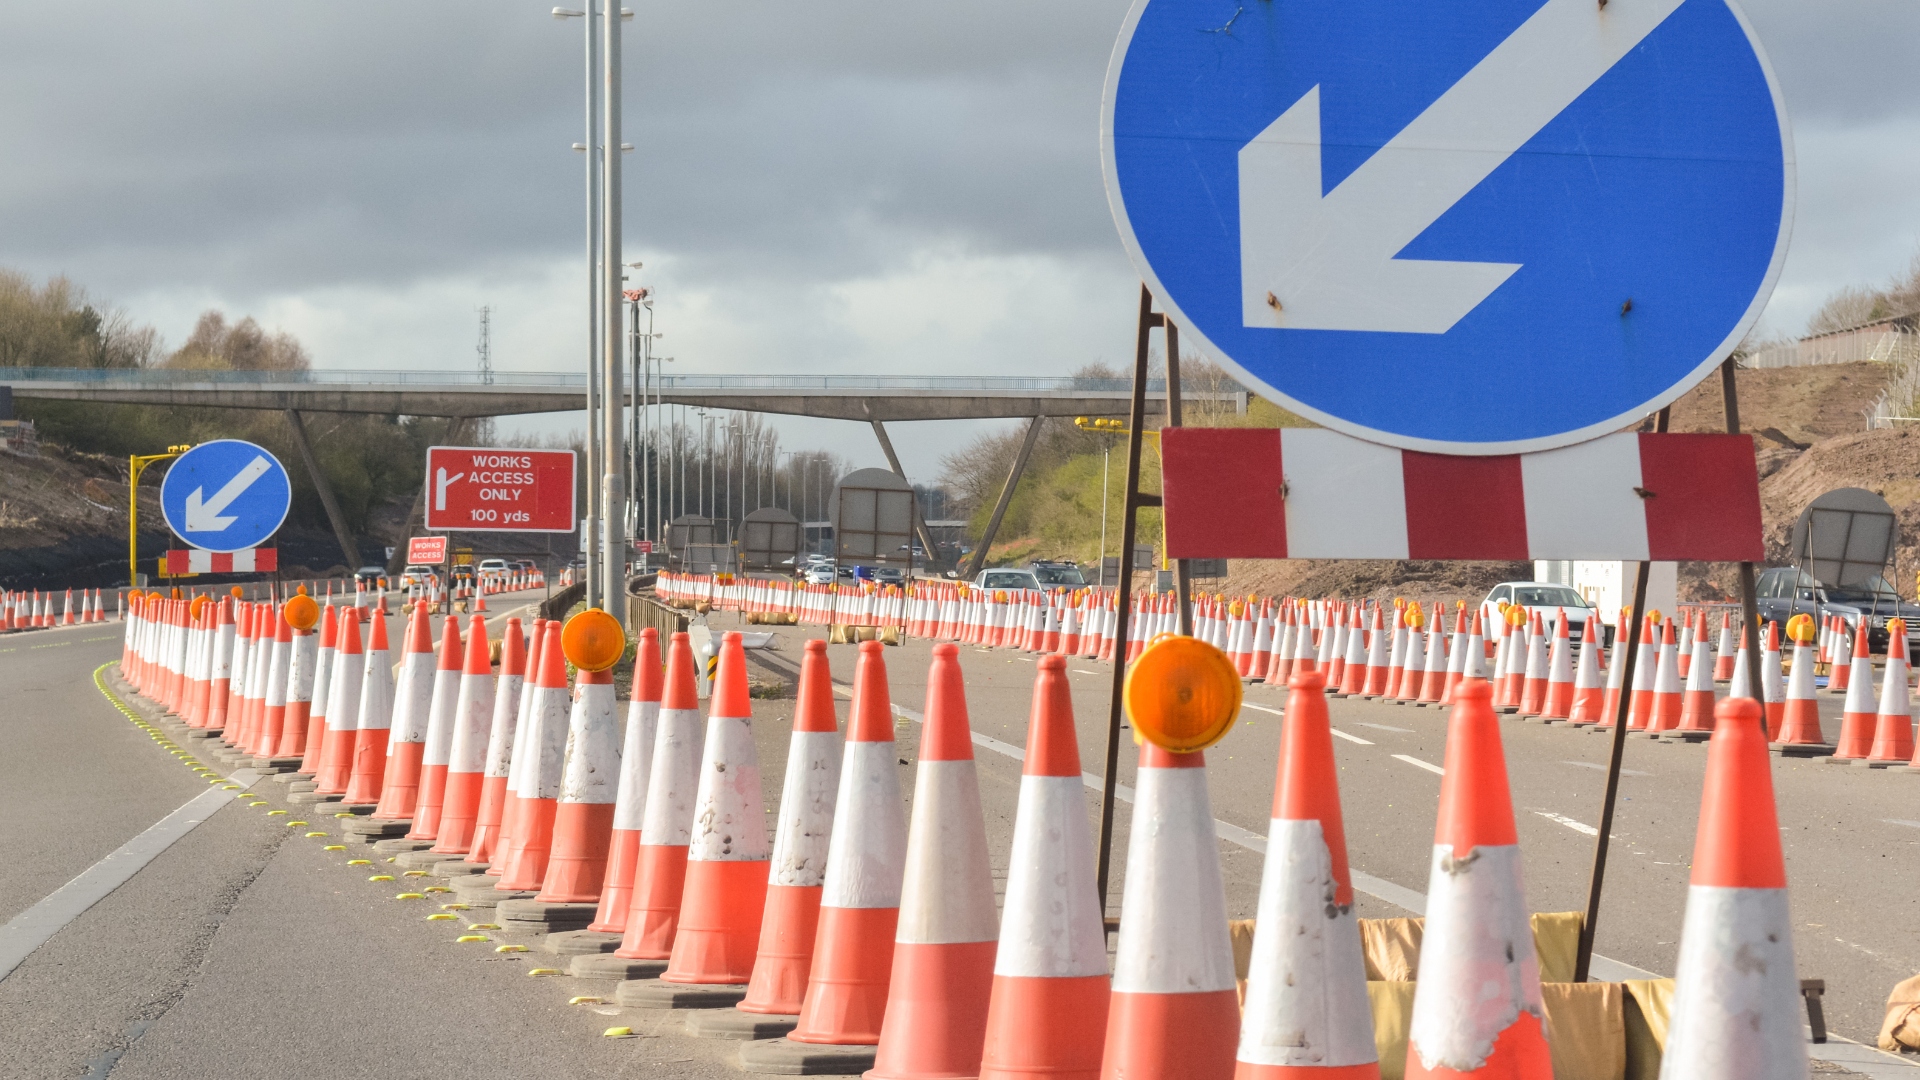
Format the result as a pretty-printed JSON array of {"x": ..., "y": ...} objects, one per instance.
[
  {"x": 1391, "y": 948},
  {"x": 1649, "y": 1007},
  {"x": 1586, "y": 1030},
  {"x": 1556, "y": 942},
  {"x": 1392, "y": 1020},
  {"x": 1901, "y": 1028}
]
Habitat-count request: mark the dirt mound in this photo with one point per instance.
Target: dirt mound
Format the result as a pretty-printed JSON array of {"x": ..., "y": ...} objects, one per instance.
[{"x": 1804, "y": 404}]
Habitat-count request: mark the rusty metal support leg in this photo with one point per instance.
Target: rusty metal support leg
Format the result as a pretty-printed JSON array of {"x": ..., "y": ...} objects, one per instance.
[{"x": 1128, "y": 515}]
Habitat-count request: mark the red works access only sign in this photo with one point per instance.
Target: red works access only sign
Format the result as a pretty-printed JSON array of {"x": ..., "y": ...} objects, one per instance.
[{"x": 496, "y": 489}]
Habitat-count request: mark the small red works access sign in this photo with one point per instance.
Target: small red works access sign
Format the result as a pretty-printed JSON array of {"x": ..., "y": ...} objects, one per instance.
[
  {"x": 426, "y": 550},
  {"x": 496, "y": 489}
]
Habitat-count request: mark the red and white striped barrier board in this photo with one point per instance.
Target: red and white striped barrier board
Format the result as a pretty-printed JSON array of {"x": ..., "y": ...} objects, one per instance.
[
  {"x": 247, "y": 561},
  {"x": 1263, "y": 493}
]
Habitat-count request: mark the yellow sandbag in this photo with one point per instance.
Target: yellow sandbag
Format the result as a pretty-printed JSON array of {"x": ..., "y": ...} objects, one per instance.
[
  {"x": 1392, "y": 1019},
  {"x": 1240, "y": 932},
  {"x": 1649, "y": 1006},
  {"x": 1586, "y": 1029},
  {"x": 1392, "y": 948},
  {"x": 1556, "y": 941}
]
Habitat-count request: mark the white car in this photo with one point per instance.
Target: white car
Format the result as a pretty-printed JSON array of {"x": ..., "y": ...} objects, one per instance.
[
  {"x": 1006, "y": 578},
  {"x": 1546, "y": 599}
]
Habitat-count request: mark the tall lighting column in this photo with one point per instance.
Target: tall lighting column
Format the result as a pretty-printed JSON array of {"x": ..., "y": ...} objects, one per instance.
[
  {"x": 590, "y": 541},
  {"x": 613, "y": 508}
]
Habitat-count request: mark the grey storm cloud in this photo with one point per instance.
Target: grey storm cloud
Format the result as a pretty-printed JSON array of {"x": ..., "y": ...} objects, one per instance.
[{"x": 266, "y": 148}]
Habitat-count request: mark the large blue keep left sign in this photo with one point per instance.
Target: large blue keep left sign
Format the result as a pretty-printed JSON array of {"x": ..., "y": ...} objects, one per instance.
[
  {"x": 1477, "y": 228},
  {"x": 225, "y": 495}
]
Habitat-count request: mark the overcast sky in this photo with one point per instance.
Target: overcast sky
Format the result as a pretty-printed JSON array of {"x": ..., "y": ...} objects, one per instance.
[{"x": 834, "y": 186}]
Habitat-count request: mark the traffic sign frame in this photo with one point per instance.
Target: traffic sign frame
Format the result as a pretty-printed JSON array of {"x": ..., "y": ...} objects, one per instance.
[{"x": 1404, "y": 427}]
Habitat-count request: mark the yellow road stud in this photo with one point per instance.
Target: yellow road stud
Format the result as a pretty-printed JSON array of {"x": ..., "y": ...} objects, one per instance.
[
  {"x": 296, "y": 824},
  {"x": 463, "y": 938},
  {"x": 343, "y": 814},
  {"x": 311, "y": 834},
  {"x": 453, "y": 907},
  {"x": 436, "y": 888},
  {"x": 408, "y": 896},
  {"x": 543, "y": 972},
  {"x": 440, "y": 916},
  {"x": 618, "y": 1033},
  {"x": 275, "y": 813},
  {"x": 381, "y": 877},
  {"x": 586, "y": 999},
  {"x": 509, "y": 948},
  {"x": 359, "y": 862},
  {"x": 334, "y": 847},
  {"x": 415, "y": 873},
  {"x": 483, "y": 926}
]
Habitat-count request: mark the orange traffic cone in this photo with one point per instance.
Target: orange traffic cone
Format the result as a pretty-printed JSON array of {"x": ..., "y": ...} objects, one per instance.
[
  {"x": 630, "y": 801},
  {"x": 936, "y": 1021},
  {"x": 434, "y": 750},
  {"x": 466, "y": 764},
  {"x": 1696, "y": 706},
  {"x": 1857, "y": 717},
  {"x": 279, "y": 664},
  {"x": 1477, "y": 1009},
  {"x": 343, "y": 709},
  {"x": 1893, "y": 737},
  {"x": 1736, "y": 999},
  {"x": 1646, "y": 664},
  {"x": 1175, "y": 1011},
  {"x": 1558, "y": 702},
  {"x": 1307, "y": 1013},
  {"x": 1776, "y": 701},
  {"x": 322, "y": 691},
  {"x": 1668, "y": 692},
  {"x": 1047, "y": 1019},
  {"x": 293, "y": 733},
  {"x": 1589, "y": 691},
  {"x": 725, "y": 894},
  {"x": 508, "y": 693},
  {"x": 376, "y": 718},
  {"x": 805, "y": 821},
  {"x": 528, "y": 838},
  {"x": 667, "y": 829},
  {"x": 507, "y": 755},
  {"x": 583, "y": 815},
  {"x": 1533, "y": 685},
  {"x": 1801, "y": 708},
  {"x": 412, "y": 698},
  {"x": 866, "y": 860}
]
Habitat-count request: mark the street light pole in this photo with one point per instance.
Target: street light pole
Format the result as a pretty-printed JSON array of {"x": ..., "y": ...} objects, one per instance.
[{"x": 613, "y": 572}]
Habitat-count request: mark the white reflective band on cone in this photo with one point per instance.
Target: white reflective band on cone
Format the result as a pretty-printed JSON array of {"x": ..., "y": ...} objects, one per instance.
[
  {"x": 947, "y": 894},
  {"x": 1171, "y": 938},
  {"x": 636, "y": 765},
  {"x": 867, "y": 874},
  {"x": 729, "y": 812},
  {"x": 1052, "y": 926},
  {"x": 1307, "y": 989},
  {"x": 805, "y": 818},
  {"x": 674, "y": 781},
  {"x": 592, "y": 769},
  {"x": 1736, "y": 1000},
  {"x": 1473, "y": 987}
]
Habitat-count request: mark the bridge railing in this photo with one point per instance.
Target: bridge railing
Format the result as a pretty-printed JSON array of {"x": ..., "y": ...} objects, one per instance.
[{"x": 511, "y": 380}]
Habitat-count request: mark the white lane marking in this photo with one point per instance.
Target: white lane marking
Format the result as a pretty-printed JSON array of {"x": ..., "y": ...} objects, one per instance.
[
  {"x": 1381, "y": 889},
  {"x": 1337, "y": 733},
  {"x": 1580, "y": 827},
  {"x": 1897, "y": 821},
  {"x": 1417, "y": 763},
  {"x": 1084, "y": 671},
  {"x": 1385, "y": 727},
  {"x": 1350, "y": 738},
  {"x": 32, "y": 928},
  {"x": 1603, "y": 768},
  {"x": 1262, "y": 708}
]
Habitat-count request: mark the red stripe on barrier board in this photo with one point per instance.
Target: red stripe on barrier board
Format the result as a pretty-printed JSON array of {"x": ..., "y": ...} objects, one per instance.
[
  {"x": 1221, "y": 488},
  {"x": 1703, "y": 497},
  {"x": 1464, "y": 507}
]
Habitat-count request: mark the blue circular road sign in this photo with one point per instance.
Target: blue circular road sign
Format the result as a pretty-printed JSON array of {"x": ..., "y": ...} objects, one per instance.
[
  {"x": 225, "y": 495},
  {"x": 1466, "y": 228}
]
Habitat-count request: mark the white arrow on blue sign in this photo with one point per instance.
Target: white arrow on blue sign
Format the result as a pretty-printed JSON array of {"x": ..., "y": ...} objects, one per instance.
[
  {"x": 1480, "y": 228},
  {"x": 225, "y": 495}
]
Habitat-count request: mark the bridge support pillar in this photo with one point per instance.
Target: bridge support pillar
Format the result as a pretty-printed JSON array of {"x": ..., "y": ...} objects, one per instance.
[
  {"x": 1006, "y": 496},
  {"x": 332, "y": 505},
  {"x": 919, "y": 523}
]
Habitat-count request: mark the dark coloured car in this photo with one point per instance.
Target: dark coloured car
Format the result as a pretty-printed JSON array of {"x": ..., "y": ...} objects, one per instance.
[{"x": 1785, "y": 592}]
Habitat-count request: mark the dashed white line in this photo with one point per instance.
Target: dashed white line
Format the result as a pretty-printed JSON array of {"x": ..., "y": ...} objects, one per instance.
[
  {"x": 1338, "y": 734},
  {"x": 1603, "y": 768},
  {"x": 1084, "y": 671},
  {"x": 1577, "y": 826},
  {"x": 1385, "y": 727},
  {"x": 1417, "y": 763},
  {"x": 1262, "y": 708},
  {"x": 1897, "y": 821}
]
